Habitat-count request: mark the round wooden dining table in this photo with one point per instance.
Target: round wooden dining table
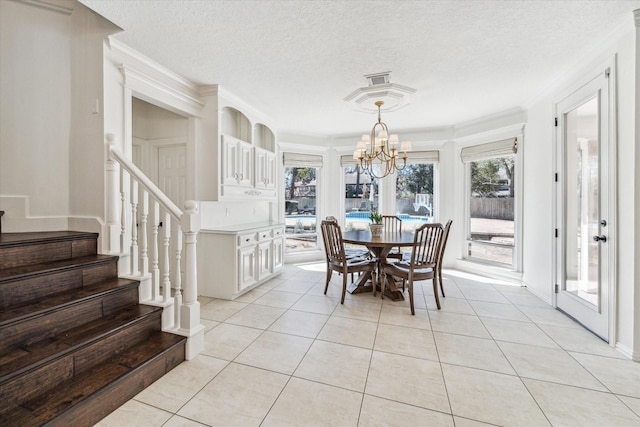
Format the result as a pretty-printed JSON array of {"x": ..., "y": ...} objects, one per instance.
[{"x": 380, "y": 247}]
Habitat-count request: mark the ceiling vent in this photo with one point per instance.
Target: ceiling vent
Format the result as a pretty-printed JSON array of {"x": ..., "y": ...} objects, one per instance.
[
  {"x": 380, "y": 88},
  {"x": 378, "y": 79}
]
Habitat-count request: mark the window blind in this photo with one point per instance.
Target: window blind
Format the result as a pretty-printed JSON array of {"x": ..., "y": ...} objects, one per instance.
[
  {"x": 347, "y": 161},
  {"x": 414, "y": 157},
  {"x": 299, "y": 159},
  {"x": 503, "y": 148}
]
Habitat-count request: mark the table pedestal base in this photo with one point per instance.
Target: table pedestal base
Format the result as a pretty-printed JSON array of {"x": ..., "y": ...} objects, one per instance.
[{"x": 364, "y": 285}]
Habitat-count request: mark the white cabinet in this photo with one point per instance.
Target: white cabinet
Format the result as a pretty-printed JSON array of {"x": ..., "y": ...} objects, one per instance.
[
  {"x": 265, "y": 175},
  {"x": 231, "y": 262},
  {"x": 248, "y": 172},
  {"x": 237, "y": 162}
]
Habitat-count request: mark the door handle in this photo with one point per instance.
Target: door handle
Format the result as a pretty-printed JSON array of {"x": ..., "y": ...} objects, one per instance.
[{"x": 602, "y": 238}]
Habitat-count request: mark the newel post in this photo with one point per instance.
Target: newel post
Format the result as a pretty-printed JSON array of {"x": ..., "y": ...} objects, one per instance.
[
  {"x": 190, "y": 308},
  {"x": 113, "y": 199}
]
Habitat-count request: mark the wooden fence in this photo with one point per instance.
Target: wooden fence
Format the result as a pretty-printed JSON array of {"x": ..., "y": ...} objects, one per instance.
[{"x": 492, "y": 207}]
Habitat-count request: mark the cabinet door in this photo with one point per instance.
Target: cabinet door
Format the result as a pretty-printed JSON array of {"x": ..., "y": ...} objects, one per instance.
[
  {"x": 270, "y": 170},
  {"x": 247, "y": 267},
  {"x": 277, "y": 253},
  {"x": 264, "y": 260},
  {"x": 261, "y": 168},
  {"x": 245, "y": 167},
  {"x": 230, "y": 161}
]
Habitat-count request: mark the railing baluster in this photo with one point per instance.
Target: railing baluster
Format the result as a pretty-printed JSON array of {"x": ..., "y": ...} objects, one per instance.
[
  {"x": 123, "y": 211},
  {"x": 144, "y": 253},
  {"x": 178, "y": 278},
  {"x": 166, "y": 280},
  {"x": 155, "y": 270},
  {"x": 134, "y": 226}
]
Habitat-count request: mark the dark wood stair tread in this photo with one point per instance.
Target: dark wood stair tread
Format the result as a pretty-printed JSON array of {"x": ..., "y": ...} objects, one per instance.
[
  {"x": 99, "y": 381},
  {"x": 15, "y": 239},
  {"x": 71, "y": 297},
  {"x": 15, "y": 273},
  {"x": 30, "y": 357}
]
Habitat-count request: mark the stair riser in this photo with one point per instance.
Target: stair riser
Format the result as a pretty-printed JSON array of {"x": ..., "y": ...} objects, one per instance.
[
  {"x": 17, "y": 256},
  {"x": 116, "y": 343},
  {"x": 110, "y": 398},
  {"x": 51, "y": 374},
  {"x": 64, "y": 318},
  {"x": 19, "y": 292},
  {"x": 47, "y": 376}
]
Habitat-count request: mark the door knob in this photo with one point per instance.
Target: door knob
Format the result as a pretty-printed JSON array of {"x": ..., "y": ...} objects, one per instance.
[{"x": 602, "y": 238}]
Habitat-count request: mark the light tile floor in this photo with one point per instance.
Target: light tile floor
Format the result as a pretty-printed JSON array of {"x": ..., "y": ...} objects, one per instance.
[{"x": 287, "y": 355}]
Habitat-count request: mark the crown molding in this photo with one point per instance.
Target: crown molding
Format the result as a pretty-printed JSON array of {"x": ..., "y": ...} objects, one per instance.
[
  {"x": 133, "y": 55},
  {"x": 153, "y": 90}
]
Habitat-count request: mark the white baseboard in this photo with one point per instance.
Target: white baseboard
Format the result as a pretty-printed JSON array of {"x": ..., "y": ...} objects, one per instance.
[
  {"x": 627, "y": 352},
  {"x": 17, "y": 219}
]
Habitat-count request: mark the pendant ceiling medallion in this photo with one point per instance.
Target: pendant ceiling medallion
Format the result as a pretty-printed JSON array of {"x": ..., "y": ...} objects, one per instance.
[{"x": 380, "y": 88}]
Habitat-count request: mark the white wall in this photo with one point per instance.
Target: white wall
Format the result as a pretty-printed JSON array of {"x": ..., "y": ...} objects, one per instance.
[
  {"x": 538, "y": 181},
  {"x": 51, "y": 149},
  {"x": 35, "y": 109},
  {"x": 152, "y": 122}
]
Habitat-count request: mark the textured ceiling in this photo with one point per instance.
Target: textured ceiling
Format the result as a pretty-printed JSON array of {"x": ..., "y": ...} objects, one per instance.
[{"x": 297, "y": 60}]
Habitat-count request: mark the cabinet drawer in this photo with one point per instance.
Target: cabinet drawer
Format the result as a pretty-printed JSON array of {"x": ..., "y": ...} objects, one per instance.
[
  {"x": 247, "y": 239},
  {"x": 264, "y": 235},
  {"x": 276, "y": 232}
]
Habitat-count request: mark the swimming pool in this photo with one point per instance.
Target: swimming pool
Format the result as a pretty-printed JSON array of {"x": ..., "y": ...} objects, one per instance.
[{"x": 403, "y": 217}]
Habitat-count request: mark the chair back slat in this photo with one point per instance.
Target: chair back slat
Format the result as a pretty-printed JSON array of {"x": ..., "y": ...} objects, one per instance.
[
  {"x": 427, "y": 242},
  {"x": 332, "y": 238},
  {"x": 392, "y": 223}
]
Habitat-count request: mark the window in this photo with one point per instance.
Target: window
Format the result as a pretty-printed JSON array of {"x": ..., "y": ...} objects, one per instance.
[
  {"x": 360, "y": 195},
  {"x": 415, "y": 189},
  {"x": 301, "y": 173},
  {"x": 491, "y": 235}
]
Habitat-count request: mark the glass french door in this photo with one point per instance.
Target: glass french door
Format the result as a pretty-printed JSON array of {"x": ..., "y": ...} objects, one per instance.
[{"x": 583, "y": 287}]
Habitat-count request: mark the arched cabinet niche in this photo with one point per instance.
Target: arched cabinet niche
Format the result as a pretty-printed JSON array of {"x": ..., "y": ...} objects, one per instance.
[{"x": 248, "y": 158}]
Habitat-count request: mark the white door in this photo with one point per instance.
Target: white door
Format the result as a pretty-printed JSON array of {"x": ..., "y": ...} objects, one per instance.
[
  {"x": 583, "y": 216},
  {"x": 172, "y": 174}
]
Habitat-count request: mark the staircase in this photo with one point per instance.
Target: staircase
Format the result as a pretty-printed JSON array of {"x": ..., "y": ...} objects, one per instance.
[{"x": 74, "y": 342}]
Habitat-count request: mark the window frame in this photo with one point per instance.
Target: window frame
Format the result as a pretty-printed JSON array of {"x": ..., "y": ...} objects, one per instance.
[
  {"x": 465, "y": 239},
  {"x": 291, "y": 159}
]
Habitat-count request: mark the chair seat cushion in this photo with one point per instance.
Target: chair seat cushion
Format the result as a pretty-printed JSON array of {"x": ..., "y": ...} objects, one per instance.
[{"x": 402, "y": 269}]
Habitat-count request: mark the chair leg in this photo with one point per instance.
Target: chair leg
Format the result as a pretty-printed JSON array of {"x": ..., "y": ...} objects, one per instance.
[
  {"x": 383, "y": 280},
  {"x": 326, "y": 285},
  {"x": 410, "y": 287},
  {"x": 344, "y": 287},
  {"x": 373, "y": 283},
  {"x": 440, "y": 278},
  {"x": 435, "y": 290}
]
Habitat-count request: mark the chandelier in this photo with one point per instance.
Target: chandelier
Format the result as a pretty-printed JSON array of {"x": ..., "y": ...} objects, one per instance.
[{"x": 378, "y": 152}]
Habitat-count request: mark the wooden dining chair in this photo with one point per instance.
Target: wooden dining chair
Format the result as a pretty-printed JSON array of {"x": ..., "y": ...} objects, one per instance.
[
  {"x": 352, "y": 252},
  {"x": 445, "y": 237},
  {"x": 425, "y": 253},
  {"x": 393, "y": 223},
  {"x": 337, "y": 259}
]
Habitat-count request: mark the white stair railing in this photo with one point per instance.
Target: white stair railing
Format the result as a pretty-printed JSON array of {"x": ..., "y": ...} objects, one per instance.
[{"x": 145, "y": 218}]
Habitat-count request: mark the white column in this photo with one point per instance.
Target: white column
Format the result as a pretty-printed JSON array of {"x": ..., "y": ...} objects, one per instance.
[{"x": 190, "y": 309}]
